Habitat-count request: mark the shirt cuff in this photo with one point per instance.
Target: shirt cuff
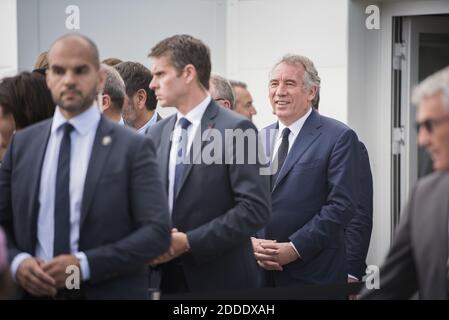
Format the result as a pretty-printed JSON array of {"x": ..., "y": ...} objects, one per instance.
[
  {"x": 84, "y": 265},
  {"x": 294, "y": 248},
  {"x": 352, "y": 277},
  {"x": 18, "y": 259}
]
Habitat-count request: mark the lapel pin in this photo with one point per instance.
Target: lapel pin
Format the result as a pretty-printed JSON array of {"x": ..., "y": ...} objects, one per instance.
[{"x": 107, "y": 140}]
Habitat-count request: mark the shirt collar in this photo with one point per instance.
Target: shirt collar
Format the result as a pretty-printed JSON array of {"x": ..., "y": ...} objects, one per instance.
[
  {"x": 296, "y": 126},
  {"x": 150, "y": 122},
  {"x": 82, "y": 123},
  {"x": 196, "y": 114}
]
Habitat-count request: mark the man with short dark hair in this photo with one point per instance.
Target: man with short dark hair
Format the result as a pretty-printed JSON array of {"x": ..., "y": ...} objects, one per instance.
[
  {"x": 216, "y": 206},
  {"x": 140, "y": 110},
  {"x": 79, "y": 193},
  {"x": 243, "y": 99}
]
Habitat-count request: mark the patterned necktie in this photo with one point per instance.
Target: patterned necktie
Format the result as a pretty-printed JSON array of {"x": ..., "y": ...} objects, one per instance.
[
  {"x": 180, "y": 156},
  {"x": 61, "y": 244},
  {"x": 282, "y": 153}
]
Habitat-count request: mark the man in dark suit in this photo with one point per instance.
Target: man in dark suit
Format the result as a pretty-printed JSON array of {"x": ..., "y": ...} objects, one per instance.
[
  {"x": 78, "y": 192},
  {"x": 418, "y": 258},
  {"x": 358, "y": 231},
  {"x": 217, "y": 206},
  {"x": 314, "y": 183}
]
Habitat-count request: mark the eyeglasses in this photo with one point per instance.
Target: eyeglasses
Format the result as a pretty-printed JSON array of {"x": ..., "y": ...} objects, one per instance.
[
  {"x": 430, "y": 124},
  {"x": 219, "y": 99}
]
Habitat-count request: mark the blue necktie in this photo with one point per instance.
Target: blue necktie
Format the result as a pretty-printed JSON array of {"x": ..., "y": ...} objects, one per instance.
[
  {"x": 282, "y": 153},
  {"x": 62, "y": 196},
  {"x": 181, "y": 156}
]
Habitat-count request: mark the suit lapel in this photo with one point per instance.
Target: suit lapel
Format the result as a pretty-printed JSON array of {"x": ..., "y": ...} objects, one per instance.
[
  {"x": 103, "y": 142},
  {"x": 309, "y": 132},
  {"x": 207, "y": 122},
  {"x": 39, "y": 147}
]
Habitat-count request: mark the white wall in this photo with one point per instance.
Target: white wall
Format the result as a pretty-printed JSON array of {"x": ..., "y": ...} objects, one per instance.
[
  {"x": 259, "y": 32},
  {"x": 8, "y": 36},
  {"x": 123, "y": 29}
]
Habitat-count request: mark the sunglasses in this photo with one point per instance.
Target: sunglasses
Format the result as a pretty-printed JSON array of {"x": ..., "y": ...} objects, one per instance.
[{"x": 430, "y": 124}]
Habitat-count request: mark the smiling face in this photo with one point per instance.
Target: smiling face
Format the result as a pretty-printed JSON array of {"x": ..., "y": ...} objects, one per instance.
[
  {"x": 289, "y": 99},
  {"x": 437, "y": 141}
]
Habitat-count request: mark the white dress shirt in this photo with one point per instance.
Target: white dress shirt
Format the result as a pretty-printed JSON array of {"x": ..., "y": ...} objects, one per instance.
[
  {"x": 82, "y": 139},
  {"x": 295, "y": 128},
  {"x": 144, "y": 129},
  {"x": 194, "y": 116}
]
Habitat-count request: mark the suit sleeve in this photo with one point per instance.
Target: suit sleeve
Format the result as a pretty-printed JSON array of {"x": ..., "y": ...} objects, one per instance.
[
  {"x": 251, "y": 211},
  {"x": 398, "y": 273},
  {"x": 358, "y": 231},
  {"x": 327, "y": 226},
  {"x": 6, "y": 214},
  {"x": 148, "y": 207}
]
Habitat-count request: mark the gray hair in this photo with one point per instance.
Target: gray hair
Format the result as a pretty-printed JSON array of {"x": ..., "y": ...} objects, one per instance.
[
  {"x": 311, "y": 78},
  {"x": 114, "y": 86},
  {"x": 432, "y": 85},
  {"x": 240, "y": 84},
  {"x": 220, "y": 88}
]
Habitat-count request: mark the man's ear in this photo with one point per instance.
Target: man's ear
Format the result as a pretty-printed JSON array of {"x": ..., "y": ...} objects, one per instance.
[
  {"x": 190, "y": 73},
  {"x": 312, "y": 93},
  {"x": 227, "y": 104},
  {"x": 105, "y": 102},
  {"x": 141, "y": 96}
]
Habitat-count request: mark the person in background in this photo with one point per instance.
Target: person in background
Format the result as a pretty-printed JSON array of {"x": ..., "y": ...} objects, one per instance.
[
  {"x": 24, "y": 100},
  {"x": 41, "y": 64},
  {"x": 221, "y": 91},
  {"x": 139, "y": 111},
  {"x": 358, "y": 231},
  {"x": 243, "y": 99},
  {"x": 112, "y": 61},
  {"x": 113, "y": 95}
]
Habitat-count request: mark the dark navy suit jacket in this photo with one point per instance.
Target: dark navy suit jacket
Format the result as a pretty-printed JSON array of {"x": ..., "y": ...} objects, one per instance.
[
  {"x": 358, "y": 231},
  {"x": 314, "y": 199},
  {"x": 124, "y": 215},
  {"x": 218, "y": 206}
]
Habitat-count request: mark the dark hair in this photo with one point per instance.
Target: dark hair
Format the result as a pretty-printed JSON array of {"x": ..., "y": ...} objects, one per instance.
[
  {"x": 27, "y": 98},
  {"x": 136, "y": 76},
  {"x": 183, "y": 50},
  {"x": 112, "y": 61}
]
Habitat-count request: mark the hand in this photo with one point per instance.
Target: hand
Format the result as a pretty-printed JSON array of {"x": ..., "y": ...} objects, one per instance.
[
  {"x": 31, "y": 276},
  {"x": 179, "y": 245},
  {"x": 272, "y": 255},
  {"x": 56, "y": 268}
]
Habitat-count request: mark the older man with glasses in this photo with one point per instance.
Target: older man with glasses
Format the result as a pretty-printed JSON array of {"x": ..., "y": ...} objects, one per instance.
[{"x": 418, "y": 258}]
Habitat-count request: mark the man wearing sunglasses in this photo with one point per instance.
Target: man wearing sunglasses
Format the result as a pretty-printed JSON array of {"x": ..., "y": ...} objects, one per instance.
[{"x": 418, "y": 258}]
